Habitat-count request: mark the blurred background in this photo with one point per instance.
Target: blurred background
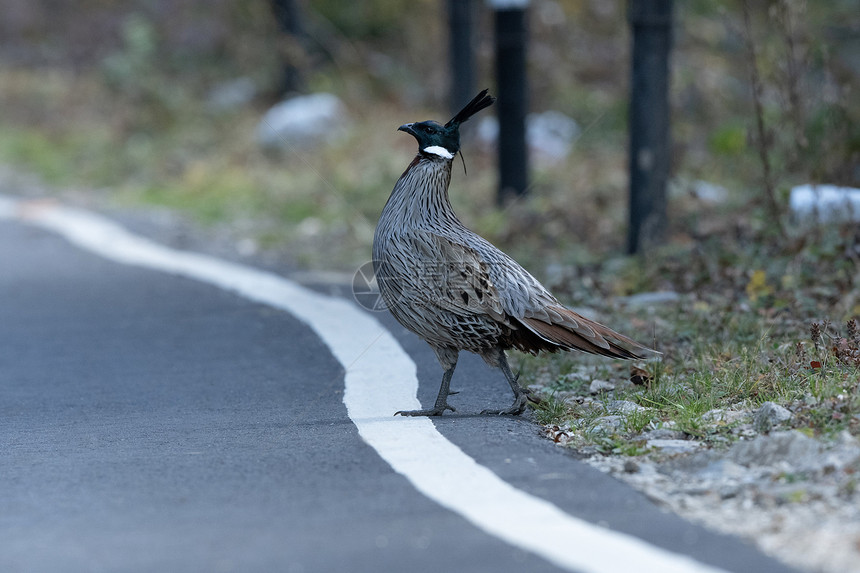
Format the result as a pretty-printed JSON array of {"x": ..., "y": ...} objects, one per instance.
[{"x": 170, "y": 104}]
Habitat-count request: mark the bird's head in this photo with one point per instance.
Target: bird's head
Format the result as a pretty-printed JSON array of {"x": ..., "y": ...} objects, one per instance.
[
  {"x": 434, "y": 138},
  {"x": 444, "y": 140}
]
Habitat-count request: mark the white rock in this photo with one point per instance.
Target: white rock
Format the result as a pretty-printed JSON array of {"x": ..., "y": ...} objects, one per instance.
[
  {"x": 824, "y": 203},
  {"x": 549, "y": 135},
  {"x": 598, "y": 386},
  {"x": 725, "y": 416},
  {"x": 606, "y": 425},
  {"x": 487, "y": 130},
  {"x": 625, "y": 407},
  {"x": 708, "y": 192},
  {"x": 769, "y": 415},
  {"x": 302, "y": 120}
]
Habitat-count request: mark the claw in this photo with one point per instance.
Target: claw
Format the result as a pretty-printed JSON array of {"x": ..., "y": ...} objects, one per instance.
[
  {"x": 435, "y": 411},
  {"x": 517, "y": 408}
]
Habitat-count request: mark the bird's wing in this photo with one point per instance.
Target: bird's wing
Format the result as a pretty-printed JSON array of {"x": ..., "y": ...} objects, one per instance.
[
  {"x": 456, "y": 277},
  {"x": 524, "y": 301}
]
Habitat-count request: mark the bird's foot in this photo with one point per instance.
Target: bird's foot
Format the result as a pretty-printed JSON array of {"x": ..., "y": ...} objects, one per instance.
[
  {"x": 434, "y": 411},
  {"x": 517, "y": 408}
]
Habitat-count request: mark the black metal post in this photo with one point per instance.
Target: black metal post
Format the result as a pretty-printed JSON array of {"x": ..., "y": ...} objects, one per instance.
[
  {"x": 651, "y": 26},
  {"x": 512, "y": 86},
  {"x": 461, "y": 52},
  {"x": 289, "y": 18}
]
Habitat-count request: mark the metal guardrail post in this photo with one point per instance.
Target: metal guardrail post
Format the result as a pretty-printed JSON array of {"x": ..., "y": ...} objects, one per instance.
[{"x": 651, "y": 26}]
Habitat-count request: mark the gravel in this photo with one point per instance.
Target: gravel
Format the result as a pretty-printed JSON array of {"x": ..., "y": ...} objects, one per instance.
[{"x": 795, "y": 497}]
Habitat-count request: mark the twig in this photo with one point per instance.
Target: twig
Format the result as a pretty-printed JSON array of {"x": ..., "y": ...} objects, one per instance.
[
  {"x": 763, "y": 141},
  {"x": 788, "y": 18}
]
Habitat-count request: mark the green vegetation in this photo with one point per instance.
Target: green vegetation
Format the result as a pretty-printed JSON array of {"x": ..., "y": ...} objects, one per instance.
[{"x": 714, "y": 365}]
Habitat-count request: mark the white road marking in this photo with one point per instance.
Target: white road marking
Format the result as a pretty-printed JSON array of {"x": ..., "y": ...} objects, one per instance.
[{"x": 381, "y": 378}]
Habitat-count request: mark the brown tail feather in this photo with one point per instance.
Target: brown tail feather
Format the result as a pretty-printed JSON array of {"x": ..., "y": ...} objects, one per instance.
[{"x": 575, "y": 332}]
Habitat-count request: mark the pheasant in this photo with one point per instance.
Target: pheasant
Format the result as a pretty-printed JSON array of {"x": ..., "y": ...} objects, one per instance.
[{"x": 454, "y": 289}]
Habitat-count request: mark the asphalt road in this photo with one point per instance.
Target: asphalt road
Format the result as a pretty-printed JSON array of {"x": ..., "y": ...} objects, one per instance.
[{"x": 154, "y": 423}]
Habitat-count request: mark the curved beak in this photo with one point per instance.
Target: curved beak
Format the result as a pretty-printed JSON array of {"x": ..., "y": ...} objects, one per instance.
[{"x": 407, "y": 127}]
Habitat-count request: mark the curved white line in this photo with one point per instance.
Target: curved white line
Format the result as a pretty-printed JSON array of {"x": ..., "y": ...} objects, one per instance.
[{"x": 380, "y": 379}]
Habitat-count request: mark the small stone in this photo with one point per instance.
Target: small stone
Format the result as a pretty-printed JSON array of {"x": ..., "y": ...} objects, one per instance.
[
  {"x": 769, "y": 415},
  {"x": 606, "y": 425},
  {"x": 744, "y": 431},
  {"x": 570, "y": 398},
  {"x": 789, "y": 447},
  {"x": 674, "y": 446},
  {"x": 728, "y": 492},
  {"x": 588, "y": 404},
  {"x": 715, "y": 415},
  {"x": 625, "y": 407},
  {"x": 630, "y": 467},
  {"x": 720, "y": 415},
  {"x": 662, "y": 434},
  {"x": 598, "y": 386}
]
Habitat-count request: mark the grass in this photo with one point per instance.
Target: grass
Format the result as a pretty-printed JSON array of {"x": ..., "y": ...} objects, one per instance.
[
  {"x": 206, "y": 164},
  {"x": 713, "y": 372}
]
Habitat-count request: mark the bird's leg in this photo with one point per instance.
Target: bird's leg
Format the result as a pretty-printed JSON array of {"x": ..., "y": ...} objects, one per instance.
[
  {"x": 520, "y": 393},
  {"x": 441, "y": 399}
]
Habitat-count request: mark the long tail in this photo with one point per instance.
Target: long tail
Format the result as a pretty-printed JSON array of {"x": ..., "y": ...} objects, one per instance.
[
  {"x": 571, "y": 331},
  {"x": 478, "y": 103}
]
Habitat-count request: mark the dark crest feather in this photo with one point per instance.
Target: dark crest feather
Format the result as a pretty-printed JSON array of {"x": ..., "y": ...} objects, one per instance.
[{"x": 479, "y": 102}]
